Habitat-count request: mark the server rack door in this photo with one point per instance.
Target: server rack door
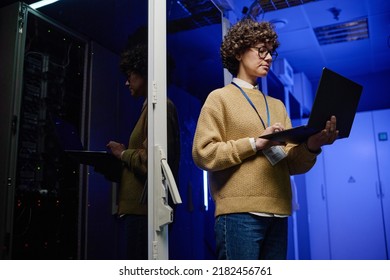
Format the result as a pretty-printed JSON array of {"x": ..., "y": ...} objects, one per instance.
[
  {"x": 48, "y": 99},
  {"x": 12, "y": 38},
  {"x": 317, "y": 211}
]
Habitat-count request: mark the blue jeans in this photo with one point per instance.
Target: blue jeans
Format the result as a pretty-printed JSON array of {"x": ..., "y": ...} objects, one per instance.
[{"x": 244, "y": 236}]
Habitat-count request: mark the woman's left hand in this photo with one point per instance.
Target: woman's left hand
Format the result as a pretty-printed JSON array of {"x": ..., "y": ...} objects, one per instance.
[{"x": 325, "y": 137}]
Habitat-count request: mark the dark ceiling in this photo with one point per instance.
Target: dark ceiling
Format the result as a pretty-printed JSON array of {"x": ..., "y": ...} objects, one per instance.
[
  {"x": 110, "y": 22},
  {"x": 366, "y": 58}
]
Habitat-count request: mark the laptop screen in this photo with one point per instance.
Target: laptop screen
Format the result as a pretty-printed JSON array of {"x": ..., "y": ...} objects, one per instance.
[{"x": 336, "y": 95}]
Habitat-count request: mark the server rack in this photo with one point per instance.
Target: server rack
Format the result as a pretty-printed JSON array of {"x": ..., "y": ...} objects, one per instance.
[{"x": 43, "y": 107}]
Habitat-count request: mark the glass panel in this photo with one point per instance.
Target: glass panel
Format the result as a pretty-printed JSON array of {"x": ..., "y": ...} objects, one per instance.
[
  {"x": 117, "y": 212},
  {"x": 132, "y": 196},
  {"x": 112, "y": 201},
  {"x": 195, "y": 69}
]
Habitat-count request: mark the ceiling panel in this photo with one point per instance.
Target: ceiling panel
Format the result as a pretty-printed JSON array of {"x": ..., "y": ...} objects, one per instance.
[
  {"x": 347, "y": 50},
  {"x": 381, "y": 63},
  {"x": 378, "y": 6},
  {"x": 303, "y": 39},
  {"x": 379, "y": 28}
]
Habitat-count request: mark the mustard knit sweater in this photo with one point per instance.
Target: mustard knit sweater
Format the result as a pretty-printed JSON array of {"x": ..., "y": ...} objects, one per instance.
[
  {"x": 134, "y": 174},
  {"x": 135, "y": 169},
  {"x": 240, "y": 179}
]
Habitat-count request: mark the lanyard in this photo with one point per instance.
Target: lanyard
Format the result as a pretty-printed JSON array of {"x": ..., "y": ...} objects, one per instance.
[{"x": 253, "y": 106}]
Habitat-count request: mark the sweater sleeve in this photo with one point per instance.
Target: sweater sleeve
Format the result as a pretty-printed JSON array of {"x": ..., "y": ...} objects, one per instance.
[
  {"x": 300, "y": 159},
  {"x": 210, "y": 150},
  {"x": 136, "y": 160},
  {"x": 135, "y": 156}
]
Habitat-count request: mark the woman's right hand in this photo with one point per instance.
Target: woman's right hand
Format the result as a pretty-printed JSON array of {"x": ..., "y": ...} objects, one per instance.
[
  {"x": 263, "y": 144},
  {"x": 116, "y": 148}
]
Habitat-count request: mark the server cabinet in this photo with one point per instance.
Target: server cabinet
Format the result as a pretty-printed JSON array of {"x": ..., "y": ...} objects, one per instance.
[
  {"x": 382, "y": 144},
  {"x": 348, "y": 197},
  {"x": 42, "y": 85},
  {"x": 317, "y": 211},
  {"x": 354, "y": 209}
]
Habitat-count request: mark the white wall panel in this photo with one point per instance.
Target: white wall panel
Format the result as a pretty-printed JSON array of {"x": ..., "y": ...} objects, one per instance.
[{"x": 355, "y": 213}]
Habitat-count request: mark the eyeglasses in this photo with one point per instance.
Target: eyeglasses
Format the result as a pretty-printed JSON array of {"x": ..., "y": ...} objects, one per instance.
[{"x": 263, "y": 52}]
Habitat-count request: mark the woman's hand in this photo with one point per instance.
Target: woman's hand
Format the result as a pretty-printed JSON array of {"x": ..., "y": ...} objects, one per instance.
[
  {"x": 116, "y": 148},
  {"x": 263, "y": 144},
  {"x": 325, "y": 137}
]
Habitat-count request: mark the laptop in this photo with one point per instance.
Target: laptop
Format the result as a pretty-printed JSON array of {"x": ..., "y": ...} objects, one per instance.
[
  {"x": 336, "y": 95},
  {"x": 103, "y": 162}
]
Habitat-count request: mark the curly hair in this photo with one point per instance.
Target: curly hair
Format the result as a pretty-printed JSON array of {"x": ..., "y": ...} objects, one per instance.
[
  {"x": 135, "y": 60},
  {"x": 243, "y": 35}
]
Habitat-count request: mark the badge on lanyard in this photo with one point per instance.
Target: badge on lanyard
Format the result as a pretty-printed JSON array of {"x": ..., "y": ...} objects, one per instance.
[{"x": 274, "y": 154}]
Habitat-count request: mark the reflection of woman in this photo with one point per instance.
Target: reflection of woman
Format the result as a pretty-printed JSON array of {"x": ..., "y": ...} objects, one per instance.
[
  {"x": 250, "y": 176},
  {"x": 132, "y": 200}
]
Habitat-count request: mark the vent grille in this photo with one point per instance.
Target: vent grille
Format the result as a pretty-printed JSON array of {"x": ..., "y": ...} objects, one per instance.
[
  {"x": 272, "y": 5},
  {"x": 342, "y": 32}
]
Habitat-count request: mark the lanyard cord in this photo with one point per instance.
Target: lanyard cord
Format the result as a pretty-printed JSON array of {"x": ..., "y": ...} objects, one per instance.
[{"x": 253, "y": 106}]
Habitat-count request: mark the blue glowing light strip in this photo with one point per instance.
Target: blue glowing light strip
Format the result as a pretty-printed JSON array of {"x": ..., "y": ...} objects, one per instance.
[{"x": 205, "y": 191}]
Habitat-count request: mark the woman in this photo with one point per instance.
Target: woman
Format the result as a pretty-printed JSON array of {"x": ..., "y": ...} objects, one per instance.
[{"x": 249, "y": 176}]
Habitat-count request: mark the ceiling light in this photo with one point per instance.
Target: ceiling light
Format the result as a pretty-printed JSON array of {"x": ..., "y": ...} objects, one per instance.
[
  {"x": 278, "y": 23},
  {"x": 42, "y": 3}
]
